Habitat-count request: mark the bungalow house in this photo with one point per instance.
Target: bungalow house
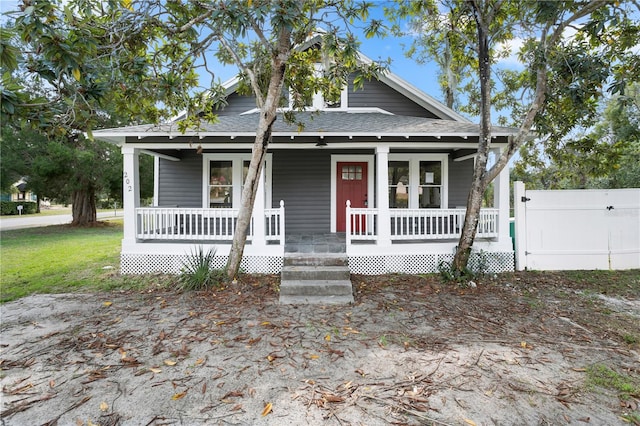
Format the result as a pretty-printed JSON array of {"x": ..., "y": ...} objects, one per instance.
[{"x": 382, "y": 176}]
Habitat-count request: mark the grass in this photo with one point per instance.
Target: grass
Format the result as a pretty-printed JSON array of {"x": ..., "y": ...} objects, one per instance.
[
  {"x": 626, "y": 386},
  {"x": 57, "y": 212},
  {"x": 57, "y": 259},
  {"x": 602, "y": 376},
  {"x": 607, "y": 282}
]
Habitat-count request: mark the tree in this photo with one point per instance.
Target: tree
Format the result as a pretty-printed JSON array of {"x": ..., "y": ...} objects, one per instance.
[
  {"x": 64, "y": 74},
  {"x": 603, "y": 156},
  {"x": 436, "y": 39},
  {"x": 269, "y": 44},
  {"x": 583, "y": 66}
]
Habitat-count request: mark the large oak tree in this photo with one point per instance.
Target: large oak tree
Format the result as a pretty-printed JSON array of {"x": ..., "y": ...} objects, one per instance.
[{"x": 64, "y": 73}]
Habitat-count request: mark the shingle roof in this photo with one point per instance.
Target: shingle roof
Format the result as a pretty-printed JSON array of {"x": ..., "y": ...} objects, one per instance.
[{"x": 317, "y": 123}]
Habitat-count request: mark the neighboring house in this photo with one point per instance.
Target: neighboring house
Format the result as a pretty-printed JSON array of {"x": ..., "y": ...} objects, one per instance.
[
  {"x": 19, "y": 192},
  {"x": 388, "y": 167}
]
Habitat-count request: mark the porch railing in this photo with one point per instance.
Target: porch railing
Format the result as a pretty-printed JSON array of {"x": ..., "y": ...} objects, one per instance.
[
  {"x": 418, "y": 224},
  {"x": 160, "y": 223}
]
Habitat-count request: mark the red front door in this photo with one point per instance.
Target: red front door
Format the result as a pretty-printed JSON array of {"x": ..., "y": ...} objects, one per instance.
[{"x": 352, "y": 185}]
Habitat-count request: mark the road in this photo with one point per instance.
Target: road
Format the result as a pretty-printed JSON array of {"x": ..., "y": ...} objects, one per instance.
[{"x": 18, "y": 222}]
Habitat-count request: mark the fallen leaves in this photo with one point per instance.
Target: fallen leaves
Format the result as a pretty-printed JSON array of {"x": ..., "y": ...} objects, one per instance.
[
  {"x": 267, "y": 409},
  {"x": 217, "y": 350},
  {"x": 180, "y": 395}
]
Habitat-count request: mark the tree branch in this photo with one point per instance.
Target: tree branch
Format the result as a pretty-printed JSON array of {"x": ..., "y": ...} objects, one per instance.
[{"x": 246, "y": 69}]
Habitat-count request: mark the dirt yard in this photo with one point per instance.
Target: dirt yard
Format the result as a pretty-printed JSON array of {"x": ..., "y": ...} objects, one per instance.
[{"x": 523, "y": 349}]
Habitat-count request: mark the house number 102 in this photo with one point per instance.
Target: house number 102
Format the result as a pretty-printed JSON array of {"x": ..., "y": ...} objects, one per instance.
[{"x": 127, "y": 182}]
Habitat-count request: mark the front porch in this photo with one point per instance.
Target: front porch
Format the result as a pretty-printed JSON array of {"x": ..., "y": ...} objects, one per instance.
[
  {"x": 418, "y": 240},
  {"x": 400, "y": 220}
]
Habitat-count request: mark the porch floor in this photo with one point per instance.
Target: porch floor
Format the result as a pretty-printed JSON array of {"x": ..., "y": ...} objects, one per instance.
[{"x": 315, "y": 243}]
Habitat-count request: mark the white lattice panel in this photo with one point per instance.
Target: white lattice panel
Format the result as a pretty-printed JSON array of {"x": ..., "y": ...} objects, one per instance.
[
  {"x": 493, "y": 262},
  {"x": 135, "y": 264}
]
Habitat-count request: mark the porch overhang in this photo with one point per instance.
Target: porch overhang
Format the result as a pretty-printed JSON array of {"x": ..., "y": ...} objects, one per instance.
[{"x": 331, "y": 127}]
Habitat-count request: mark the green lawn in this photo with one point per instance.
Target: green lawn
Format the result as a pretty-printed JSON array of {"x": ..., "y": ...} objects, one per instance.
[
  {"x": 58, "y": 259},
  {"x": 58, "y": 211}
]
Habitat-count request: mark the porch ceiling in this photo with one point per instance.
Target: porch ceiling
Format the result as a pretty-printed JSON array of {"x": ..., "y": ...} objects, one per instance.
[{"x": 313, "y": 124}]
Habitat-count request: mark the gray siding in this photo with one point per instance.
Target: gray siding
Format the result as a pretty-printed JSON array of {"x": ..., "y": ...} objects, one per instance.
[
  {"x": 302, "y": 179},
  {"x": 237, "y": 104},
  {"x": 373, "y": 94},
  {"x": 460, "y": 174},
  {"x": 180, "y": 182},
  {"x": 377, "y": 94}
]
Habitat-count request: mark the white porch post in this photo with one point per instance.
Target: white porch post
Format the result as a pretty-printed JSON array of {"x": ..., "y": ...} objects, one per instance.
[
  {"x": 382, "y": 196},
  {"x": 501, "y": 202},
  {"x": 259, "y": 238},
  {"x": 130, "y": 192}
]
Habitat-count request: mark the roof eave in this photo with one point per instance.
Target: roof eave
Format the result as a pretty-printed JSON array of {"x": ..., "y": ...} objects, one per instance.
[{"x": 119, "y": 137}]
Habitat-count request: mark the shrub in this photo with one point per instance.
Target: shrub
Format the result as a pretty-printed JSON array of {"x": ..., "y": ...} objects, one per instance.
[
  {"x": 477, "y": 267},
  {"x": 11, "y": 207},
  {"x": 198, "y": 272}
]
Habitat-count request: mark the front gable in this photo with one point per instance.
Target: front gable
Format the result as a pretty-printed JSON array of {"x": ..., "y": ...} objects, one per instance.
[{"x": 375, "y": 95}]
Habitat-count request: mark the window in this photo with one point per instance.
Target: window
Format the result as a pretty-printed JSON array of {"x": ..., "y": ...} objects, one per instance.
[
  {"x": 430, "y": 189},
  {"x": 398, "y": 184},
  {"x": 224, "y": 176},
  {"x": 221, "y": 184},
  {"x": 351, "y": 172},
  {"x": 417, "y": 181}
]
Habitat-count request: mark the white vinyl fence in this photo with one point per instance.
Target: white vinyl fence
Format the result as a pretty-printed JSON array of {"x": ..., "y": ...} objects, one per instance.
[{"x": 577, "y": 229}]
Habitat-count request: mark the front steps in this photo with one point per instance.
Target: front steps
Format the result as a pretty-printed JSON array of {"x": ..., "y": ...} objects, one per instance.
[{"x": 315, "y": 278}]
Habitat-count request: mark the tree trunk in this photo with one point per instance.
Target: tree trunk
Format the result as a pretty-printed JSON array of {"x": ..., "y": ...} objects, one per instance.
[
  {"x": 83, "y": 207},
  {"x": 479, "y": 182},
  {"x": 268, "y": 115}
]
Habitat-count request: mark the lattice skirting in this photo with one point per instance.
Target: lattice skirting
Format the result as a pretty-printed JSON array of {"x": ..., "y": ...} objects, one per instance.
[
  {"x": 493, "y": 262},
  {"x": 135, "y": 264}
]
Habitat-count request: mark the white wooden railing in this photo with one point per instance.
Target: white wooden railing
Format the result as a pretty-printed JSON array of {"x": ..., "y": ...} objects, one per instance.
[
  {"x": 418, "y": 224},
  {"x": 160, "y": 223}
]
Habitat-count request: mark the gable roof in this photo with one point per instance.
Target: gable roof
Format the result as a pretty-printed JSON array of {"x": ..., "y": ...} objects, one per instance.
[
  {"x": 327, "y": 122},
  {"x": 392, "y": 80}
]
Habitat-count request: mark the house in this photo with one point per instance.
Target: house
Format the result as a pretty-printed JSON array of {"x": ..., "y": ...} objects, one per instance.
[
  {"x": 385, "y": 172},
  {"x": 19, "y": 192}
]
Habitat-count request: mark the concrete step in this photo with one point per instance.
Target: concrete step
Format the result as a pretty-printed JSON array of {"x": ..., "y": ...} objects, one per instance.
[
  {"x": 316, "y": 300},
  {"x": 315, "y": 272},
  {"x": 316, "y": 288},
  {"x": 315, "y": 259}
]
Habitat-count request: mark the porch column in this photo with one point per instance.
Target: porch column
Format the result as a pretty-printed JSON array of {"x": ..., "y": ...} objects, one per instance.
[
  {"x": 382, "y": 196},
  {"x": 130, "y": 191},
  {"x": 501, "y": 202},
  {"x": 258, "y": 214}
]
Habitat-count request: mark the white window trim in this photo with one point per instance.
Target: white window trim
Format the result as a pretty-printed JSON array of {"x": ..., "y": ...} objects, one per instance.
[
  {"x": 335, "y": 159},
  {"x": 237, "y": 160},
  {"x": 414, "y": 178}
]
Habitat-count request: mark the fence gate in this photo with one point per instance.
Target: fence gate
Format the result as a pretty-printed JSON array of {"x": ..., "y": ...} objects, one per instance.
[{"x": 577, "y": 229}]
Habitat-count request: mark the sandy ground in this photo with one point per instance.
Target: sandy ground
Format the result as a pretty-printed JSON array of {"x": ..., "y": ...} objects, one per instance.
[{"x": 409, "y": 351}]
